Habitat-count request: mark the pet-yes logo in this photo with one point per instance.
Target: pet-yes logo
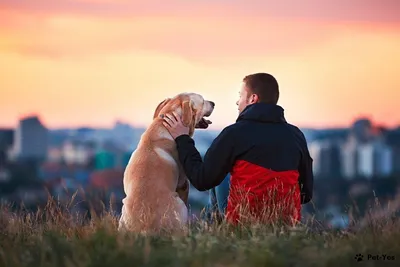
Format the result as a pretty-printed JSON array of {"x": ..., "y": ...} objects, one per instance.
[{"x": 377, "y": 257}]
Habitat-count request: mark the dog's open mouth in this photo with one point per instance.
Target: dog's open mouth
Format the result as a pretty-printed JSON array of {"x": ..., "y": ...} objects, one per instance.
[{"x": 203, "y": 123}]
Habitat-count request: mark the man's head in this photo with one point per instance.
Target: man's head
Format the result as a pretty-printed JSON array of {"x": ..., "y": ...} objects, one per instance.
[{"x": 258, "y": 88}]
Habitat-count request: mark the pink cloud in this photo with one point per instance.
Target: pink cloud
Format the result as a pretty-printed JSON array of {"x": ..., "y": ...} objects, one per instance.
[
  {"x": 387, "y": 11},
  {"x": 199, "y": 30}
]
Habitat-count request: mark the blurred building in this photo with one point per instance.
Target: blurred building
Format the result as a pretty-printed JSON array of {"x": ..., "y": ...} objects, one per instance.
[
  {"x": 30, "y": 140},
  {"x": 55, "y": 154},
  {"x": 349, "y": 158},
  {"x": 105, "y": 160},
  {"x": 362, "y": 130},
  {"x": 6, "y": 142},
  {"x": 393, "y": 141},
  {"x": 326, "y": 158},
  {"x": 366, "y": 152},
  {"x": 110, "y": 180},
  {"x": 124, "y": 135},
  {"x": 375, "y": 160},
  {"x": 77, "y": 152},
  {"x": 111, "y": 155},
  {"x": 50, "y": 171}
]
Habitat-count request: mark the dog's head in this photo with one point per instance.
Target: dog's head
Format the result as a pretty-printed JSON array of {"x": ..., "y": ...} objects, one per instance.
[{"x": 192, "y": 107}]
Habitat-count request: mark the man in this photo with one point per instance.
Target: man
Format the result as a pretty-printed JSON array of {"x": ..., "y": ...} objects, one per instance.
[{"x": 268, "y": 158}]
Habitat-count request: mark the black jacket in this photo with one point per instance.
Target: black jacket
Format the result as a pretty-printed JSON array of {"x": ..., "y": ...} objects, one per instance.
[{"x": 260, "y": 137}]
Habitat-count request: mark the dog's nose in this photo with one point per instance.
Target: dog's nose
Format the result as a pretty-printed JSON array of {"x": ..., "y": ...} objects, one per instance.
[{"x": 212, "y": 103}]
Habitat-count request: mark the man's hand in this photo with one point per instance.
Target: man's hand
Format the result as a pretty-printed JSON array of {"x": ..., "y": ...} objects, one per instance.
[{"x": 174, "y": 125}]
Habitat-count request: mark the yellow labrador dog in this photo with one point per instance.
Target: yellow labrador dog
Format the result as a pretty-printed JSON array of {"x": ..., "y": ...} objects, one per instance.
[{"x": 154, "y": 182}]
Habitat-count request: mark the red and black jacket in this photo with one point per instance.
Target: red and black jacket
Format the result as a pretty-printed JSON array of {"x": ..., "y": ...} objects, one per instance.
[{"x": 268, "y": 160}]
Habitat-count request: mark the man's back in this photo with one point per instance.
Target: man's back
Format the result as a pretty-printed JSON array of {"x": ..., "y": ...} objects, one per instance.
[
  {"x": 263, "y": 153},
  {"x": 271, "y": 160}
]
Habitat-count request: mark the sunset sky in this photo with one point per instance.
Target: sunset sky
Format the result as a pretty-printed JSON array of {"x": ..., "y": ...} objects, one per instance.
[{"x": 88, "y": 62}]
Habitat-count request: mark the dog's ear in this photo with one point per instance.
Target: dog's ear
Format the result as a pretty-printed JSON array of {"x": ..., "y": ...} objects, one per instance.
[
  {"x": 188, "y": 115},
  {"x": 160, "y": 106},
  {"x": 187, "y": 112}
]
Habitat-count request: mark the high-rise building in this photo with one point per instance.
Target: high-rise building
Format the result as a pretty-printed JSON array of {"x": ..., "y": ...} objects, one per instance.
[
  {"x": 6, "y": 141},
  {"x": 366, "y": 166},
  {"x": 30, "y": 140},
  {"x": 396, "y": 160},
  {"x": 349, "y": 158},
  {"x": 375, "y": 160},
  {"x": 315, "y": 148},
  {"x": 392, "y": 139},
  {"x": 326, "y": 158},
  {"x": 377, "y": 155}
]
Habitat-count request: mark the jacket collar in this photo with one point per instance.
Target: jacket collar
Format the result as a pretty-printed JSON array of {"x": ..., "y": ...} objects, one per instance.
[{"x": 263, "y": 112}]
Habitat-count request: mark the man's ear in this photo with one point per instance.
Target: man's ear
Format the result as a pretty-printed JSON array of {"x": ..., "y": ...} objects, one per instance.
[
  {"x": 254, "y": 98},
  {"x": 160, "y": 106}
]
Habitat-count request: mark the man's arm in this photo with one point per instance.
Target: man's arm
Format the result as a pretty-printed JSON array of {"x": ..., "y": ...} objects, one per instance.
[
  {"x": 218, "y": 160},
  {"x": 306, "y": 179}
]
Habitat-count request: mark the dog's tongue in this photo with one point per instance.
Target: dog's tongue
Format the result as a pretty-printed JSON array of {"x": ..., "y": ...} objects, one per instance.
[
  {"x": 206, "y": 121},
  {"x": 203, "y": 124}
]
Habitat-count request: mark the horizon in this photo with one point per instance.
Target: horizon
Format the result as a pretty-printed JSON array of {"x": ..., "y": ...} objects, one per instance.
[
  {"x": 82, "y": 62},
  {"x": 214, "y": 128}
]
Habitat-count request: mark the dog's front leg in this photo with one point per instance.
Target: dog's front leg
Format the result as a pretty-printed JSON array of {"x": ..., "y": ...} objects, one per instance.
[
  {"x": 183, "y": 191},
  {"x": 183, "y": 186}
]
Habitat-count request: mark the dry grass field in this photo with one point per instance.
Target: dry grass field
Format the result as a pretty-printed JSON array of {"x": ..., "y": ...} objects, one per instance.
[{"x": 54, "y": 237}]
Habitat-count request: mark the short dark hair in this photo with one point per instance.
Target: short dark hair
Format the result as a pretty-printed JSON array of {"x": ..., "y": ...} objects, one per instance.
[{"x": 264, "y": 85}]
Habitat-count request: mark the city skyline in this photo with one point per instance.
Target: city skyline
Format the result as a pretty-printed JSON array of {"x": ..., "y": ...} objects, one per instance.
[
  {"x": 82, "y": 62},
  {"x": 116, "y": 121}
]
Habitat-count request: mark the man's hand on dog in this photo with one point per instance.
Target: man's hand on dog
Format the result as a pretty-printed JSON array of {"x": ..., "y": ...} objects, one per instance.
[{"x": 174, "y": 125}]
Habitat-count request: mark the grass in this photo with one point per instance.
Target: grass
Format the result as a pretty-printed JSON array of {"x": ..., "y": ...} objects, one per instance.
[{"x": 53, "y": 236}]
